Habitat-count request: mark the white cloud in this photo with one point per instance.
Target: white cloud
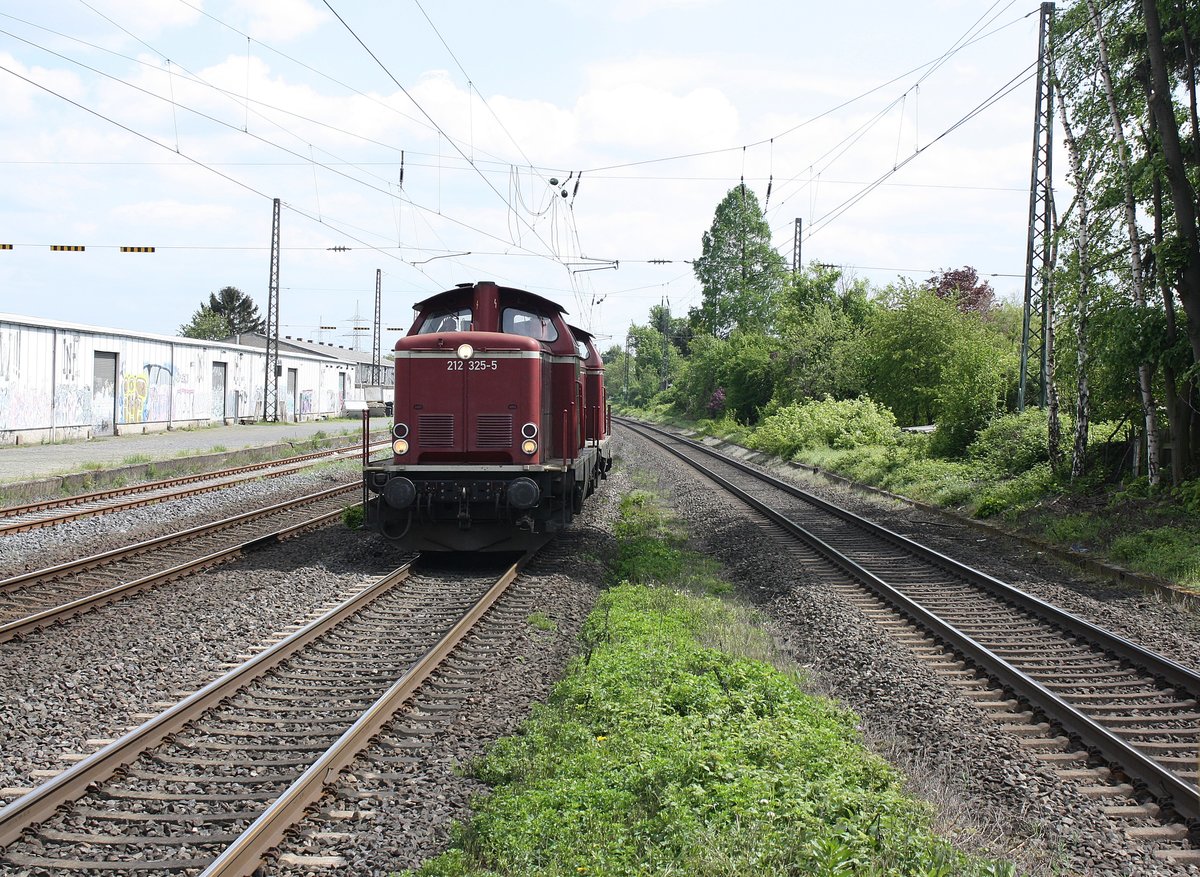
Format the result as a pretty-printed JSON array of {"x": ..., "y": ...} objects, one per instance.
[
  {"x": 653, "y": 118},
  {"x": 169, "y": 213},
  {"x": 280, "y": 20},
  {"x": 148, "y": 18},
  {"x": 632, "y": 10}
]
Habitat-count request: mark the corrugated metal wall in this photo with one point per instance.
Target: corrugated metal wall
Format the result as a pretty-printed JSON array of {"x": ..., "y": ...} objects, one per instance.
[{"x": 73, "y": 382}]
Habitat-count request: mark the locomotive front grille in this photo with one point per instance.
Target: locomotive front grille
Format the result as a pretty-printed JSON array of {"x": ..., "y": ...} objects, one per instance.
[
  {"x": 436, "y": 430},
  {"x": 494, "y": 431}
]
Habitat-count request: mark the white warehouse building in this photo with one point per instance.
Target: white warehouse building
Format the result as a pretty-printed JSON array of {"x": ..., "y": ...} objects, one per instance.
[{"x": 62, "y": 381}]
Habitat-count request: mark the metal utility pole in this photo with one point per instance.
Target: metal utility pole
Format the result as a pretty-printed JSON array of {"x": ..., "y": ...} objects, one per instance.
[
  {"x": 1035, "y": 349},
  {"x": 628, "y": 344},
  {"x": 375, "y": 367},
  {"x": 274, "y": 367},
  {"x": 796, "y": 246},
  {"x": 663, "y": 373}
]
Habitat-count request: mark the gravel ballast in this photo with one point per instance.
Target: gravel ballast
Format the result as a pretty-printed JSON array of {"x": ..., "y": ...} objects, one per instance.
[
  {"x": 87, "y": 678},
  {"x": 989, "y": 792}
]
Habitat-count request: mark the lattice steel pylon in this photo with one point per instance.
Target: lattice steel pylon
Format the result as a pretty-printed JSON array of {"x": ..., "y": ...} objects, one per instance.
[
  {"x": 376, "y": 366},
  {"x": 1035, "y": 352},
  {"x": 274, "y": 367}
]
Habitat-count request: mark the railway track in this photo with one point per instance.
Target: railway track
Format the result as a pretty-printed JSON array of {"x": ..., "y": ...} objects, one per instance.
[
  {"x": 49, "y": 596},
  {"x": 51, "y": 512},
  {"x": 216, "y": 780},
  {"x": 1101, "y": 709}
]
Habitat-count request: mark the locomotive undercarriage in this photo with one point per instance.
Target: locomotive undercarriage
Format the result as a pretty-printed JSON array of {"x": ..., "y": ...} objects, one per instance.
[{"x": 478, "y": 508}]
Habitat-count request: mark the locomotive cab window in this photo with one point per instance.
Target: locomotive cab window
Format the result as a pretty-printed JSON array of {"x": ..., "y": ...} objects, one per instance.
[
  {"x": 517, "y": 321},
  {"x": 446, "y": 321},
  {"x": 581, "y": 349}
]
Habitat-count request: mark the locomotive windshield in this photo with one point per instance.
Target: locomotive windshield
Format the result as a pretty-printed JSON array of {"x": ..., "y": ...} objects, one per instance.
[
  {"x": 446, "y": 321},
  {"x": 518, "y": 321}
]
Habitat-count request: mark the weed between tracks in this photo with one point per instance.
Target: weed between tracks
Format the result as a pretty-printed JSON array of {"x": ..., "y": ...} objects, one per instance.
[{"x": 680, "y": 742}]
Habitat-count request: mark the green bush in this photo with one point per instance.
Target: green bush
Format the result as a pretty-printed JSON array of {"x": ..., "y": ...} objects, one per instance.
[
  {"x": 353, "y": 516},
  {"x": 830, "y": 423},
  {"x": 1015, "y": 495},
  {"x": 1188, "y": 495},
  {"x": 1014, "y": 443}
]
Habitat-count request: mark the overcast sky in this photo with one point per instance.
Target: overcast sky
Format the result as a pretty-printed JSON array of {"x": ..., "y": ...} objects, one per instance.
[{"x": 175, "y": 124}]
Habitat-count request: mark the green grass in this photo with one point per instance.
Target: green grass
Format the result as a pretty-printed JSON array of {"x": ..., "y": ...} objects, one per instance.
[
  {"x": 659, "y": 755},
  {"x": 681, "y": 742},
  {"x": 650, "y": 548},
  {"x": 136, "y": 459},
  {"x": 541, "y": 621},
  {"x": 1170, "y": 552}
]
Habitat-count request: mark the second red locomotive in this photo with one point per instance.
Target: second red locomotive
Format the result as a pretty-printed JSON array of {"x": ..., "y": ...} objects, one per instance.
[{"x": 501, "y": 424}]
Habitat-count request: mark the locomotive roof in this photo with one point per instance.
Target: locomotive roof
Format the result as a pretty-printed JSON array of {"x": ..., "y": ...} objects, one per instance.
[{"x": 467, "y": 289}]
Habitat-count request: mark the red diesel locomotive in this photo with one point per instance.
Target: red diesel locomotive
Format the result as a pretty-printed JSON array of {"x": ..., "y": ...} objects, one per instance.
[{"x": 501, "y": 424}]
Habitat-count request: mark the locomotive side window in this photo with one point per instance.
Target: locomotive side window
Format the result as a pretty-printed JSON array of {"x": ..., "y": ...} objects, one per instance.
[
  {"x": 446, "y": 321},
  {"x": 517, "y": 321},
  {"x": 581, "y": 349}
]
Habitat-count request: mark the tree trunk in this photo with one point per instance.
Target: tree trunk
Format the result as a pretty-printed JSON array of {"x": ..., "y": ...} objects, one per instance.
[
  {"x": 1191, "y": 394},
  {"x": 1178, "y": 426},
  {"x": 1183, "y": 196},
  {"x": 1145, "y": 385},
  {"x": 1083, "y": 258},
  {"x": 1053, "y": 427}
]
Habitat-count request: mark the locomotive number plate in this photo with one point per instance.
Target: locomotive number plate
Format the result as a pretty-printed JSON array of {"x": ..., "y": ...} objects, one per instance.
[{"x": 472, "y": 365}]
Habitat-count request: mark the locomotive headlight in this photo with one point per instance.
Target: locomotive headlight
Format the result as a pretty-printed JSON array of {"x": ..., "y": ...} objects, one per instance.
[
  {"x": 529, "y": 430},
  {"x": 465, "y": 351},
  {"x": 400, "y": 447},
  {"x": 529, "y": 446},
  {"x": 400, "y": 430}
]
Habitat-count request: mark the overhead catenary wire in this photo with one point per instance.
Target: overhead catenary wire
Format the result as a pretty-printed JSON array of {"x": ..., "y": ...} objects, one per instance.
[
  {"x": 845, "y": 205},
  {"x": 559, "y": 236},
  {"x": 304, "y": 160},
  {"x": 430, "y": 118},
  {"x": 780, "y": 135}
]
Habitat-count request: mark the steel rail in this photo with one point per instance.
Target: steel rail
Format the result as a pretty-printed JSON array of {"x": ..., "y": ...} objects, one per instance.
[
  {"x": 1161, "y": 667},
  {"x": 286, "y": 464},
  {"x": 73, "y": 566},
  {"x": 39, "y": 804},
  {"x": 73, "y": 608},
  {"x": 242, "y": 857},
  {"x": 1160, "y": 781}
]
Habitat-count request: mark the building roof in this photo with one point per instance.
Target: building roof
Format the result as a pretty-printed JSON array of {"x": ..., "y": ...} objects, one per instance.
[{"x": 301, "y": 345}]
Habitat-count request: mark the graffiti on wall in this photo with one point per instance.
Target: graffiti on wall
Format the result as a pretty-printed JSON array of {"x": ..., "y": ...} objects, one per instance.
[
  {"x": 10, "y": 354},
  {"x": 72, "y": 405},
  {"x": 68, "y": 359},
  {"x": 158, "y": 393},
  {"x": 306, "y": 401},
  {"x": 183, "y": 394},
  {"x": 72, "y": 397},
  {"x": 21, "y": 406},
  {"x": 134, "y": 393}
]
